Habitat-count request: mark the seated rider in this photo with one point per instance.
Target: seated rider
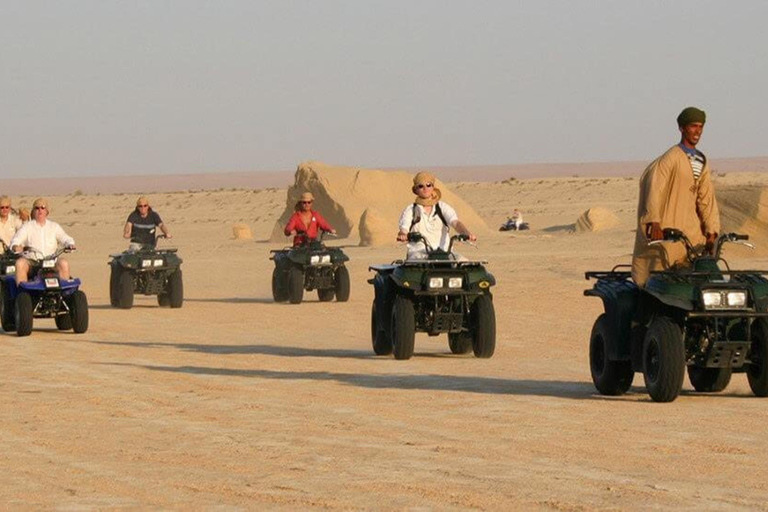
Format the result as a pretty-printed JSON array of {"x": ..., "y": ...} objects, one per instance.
[
  {"x": 305, "y": 223},
  {"x": 429, "y": 216},
  {"x": 42, "y": 237},
  {"x": 141, "y": 226},
  {"x": 516, "y": 219},
  {"x": 9, "y": 223}
]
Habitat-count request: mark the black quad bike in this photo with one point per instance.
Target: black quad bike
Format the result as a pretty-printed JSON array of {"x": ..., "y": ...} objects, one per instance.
[
  {"x": 148, "y": 271},
  {"x": 510, "y": 225},
  {"x": 44, "y": 295},
  {"x": 435, "y": 295},
  {"x": 711, "y": 320},
  {"x": 310, "y": 266}
]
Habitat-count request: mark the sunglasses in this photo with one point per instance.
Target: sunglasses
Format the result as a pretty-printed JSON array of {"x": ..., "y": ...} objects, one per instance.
[
  {"x": 5, "y": 207},
  {"x": 143, "y": 206},
  {"x": 40, "y": 208},
  {"x": 425, "y": 185},
  {"x": 305, "y": 202}
]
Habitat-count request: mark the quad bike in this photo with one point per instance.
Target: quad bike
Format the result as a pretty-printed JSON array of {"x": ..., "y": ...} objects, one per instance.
[
  {"x": 146, "y": 271},
  {"x": 44, "y": 295},
  {"x": 711, "y": 320},
  {"x": 511, "y": 225},
  {"x": 310, "y": 266},
  {"x": 435, "y": 295}
]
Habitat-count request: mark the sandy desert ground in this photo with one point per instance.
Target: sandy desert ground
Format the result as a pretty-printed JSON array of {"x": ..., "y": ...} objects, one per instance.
[{"x": 235, "y": 402}]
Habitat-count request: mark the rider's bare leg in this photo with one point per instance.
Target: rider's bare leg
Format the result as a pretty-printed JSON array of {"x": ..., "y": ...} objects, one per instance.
[
  {"x": 22, "y": 270},
  {"x": 62, "y": 266}
]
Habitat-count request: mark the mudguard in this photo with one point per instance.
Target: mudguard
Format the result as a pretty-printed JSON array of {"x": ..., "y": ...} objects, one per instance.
[{"x": 620, "y": 302}]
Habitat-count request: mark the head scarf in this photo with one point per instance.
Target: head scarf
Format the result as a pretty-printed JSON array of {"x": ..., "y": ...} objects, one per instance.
[
  {"x": 691, "y": 115},
  {"x": 426, "y": 177}
]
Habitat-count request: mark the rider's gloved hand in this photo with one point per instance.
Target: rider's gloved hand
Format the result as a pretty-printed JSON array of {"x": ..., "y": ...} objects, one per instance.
[
  {"x": 654, "y": 232},
  {"x": 710, "y": 243}
]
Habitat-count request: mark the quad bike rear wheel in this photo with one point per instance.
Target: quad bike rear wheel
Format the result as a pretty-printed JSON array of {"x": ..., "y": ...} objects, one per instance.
[
  {"x": 325, "y": 295},
  {"x": 114, "y": 284},
  {"x": 380, "y": 337},
  {"x": 611, "y": 378},
  {"x": 64, "y": 321},
  {"x": 279, "y": 287},
  {"x": 7, "y": 320},
  {"x": 709, "y": 380},
  {"x": 460, "y": 342}
]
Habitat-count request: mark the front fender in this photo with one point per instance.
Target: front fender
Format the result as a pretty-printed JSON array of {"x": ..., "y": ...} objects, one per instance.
[{"x": 620, "y": 303}]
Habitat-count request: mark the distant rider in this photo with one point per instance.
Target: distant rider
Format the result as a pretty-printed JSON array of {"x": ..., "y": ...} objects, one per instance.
[
  {"x": 42, "y": 237},
  {"x": 305, "y": 223},
  {"x": 429, "y": 216},
  {"x": 9, "y": 223},
  {"x": 141, "y": 226},
  {"x": 516, "y": 219}
]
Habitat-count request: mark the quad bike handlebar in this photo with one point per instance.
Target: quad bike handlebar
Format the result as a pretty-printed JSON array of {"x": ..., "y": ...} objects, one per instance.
[
  {"x": 414, "y": 237},
  {"x": 694, "y": 252},
  {"x": 34, "y": 254}
]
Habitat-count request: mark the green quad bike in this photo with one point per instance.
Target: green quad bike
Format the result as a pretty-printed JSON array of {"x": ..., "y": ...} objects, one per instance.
[
  {"x": 310, "y": 266},
  {"x": 709, "y": 320},
  {"x": 148, "y": 271},
  {"x": 435, "y": 295}
]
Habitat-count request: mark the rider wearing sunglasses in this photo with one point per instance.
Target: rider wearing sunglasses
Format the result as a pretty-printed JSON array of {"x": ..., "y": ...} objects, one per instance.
[
  {"x": 429, "y": 216},
  {"x": 40, "y": 237},
  {"x": 305, "y": 222},
  {"x": 141, "y": 226},
  {"x": 9, "y": 223}
]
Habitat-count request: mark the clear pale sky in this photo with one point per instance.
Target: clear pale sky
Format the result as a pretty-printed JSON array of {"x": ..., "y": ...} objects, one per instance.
[{"x": 143, "y": 87}]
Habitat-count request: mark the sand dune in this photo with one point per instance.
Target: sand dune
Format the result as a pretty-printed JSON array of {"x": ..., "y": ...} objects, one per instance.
[{"x": 236, "y": 402}]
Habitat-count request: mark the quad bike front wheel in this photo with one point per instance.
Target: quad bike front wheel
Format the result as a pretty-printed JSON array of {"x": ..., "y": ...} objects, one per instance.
[
  {"x": 483, "y": 322},
  {"x": 175, "y": 290},
  {"x": 403, "y": 327},
  {"x": 295, "y": 285},
  {"x": 114, "y": 284},
  {"x": 342, "y": 284},
  {"x": 78, "y": 311},
  {"x": 125, "y": 286},
  {"x": 663, "y": 360},
  {"x": 23, "y": 314},
  {"x": 757, "y": 371},
  {"x": 610, "y": 377}
]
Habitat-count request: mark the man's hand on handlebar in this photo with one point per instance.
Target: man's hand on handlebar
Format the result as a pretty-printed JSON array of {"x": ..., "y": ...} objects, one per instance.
[
  {"x": 402, "y": 236},
  {"x": 710, "y": 244},
  {"x": 654, "y": 232}
]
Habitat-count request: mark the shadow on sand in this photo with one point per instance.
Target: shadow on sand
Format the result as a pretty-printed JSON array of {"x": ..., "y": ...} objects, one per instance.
[
  {"x": 237, "y": 300},
  {"x": 459, "y": 383}
]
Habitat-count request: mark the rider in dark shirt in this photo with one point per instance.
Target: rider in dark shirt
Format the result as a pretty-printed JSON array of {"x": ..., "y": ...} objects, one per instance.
[{"x": 141, "y": 226}]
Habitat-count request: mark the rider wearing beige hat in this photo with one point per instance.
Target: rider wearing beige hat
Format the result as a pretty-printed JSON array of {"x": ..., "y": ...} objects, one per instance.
[
  {"x": 39, "y": 238},
  {"x": 429, "y": 216},
  {"x": 306, "y": 223}
]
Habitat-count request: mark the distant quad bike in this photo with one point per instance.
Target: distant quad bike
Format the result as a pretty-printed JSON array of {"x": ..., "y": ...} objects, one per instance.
[
  {"x": 435, "y": 295},
  {"x": 147, "y": 271},
  {"x": 710, "y": 320},
  {"x": 310, "y": 266},
  {"x": 44, "y": 295},
  {"x": 509, "y": 225}
]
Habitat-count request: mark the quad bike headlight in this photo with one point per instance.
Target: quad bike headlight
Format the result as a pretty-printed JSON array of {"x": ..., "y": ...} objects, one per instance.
[
  {"x": 712, "y": 299},
  {"x": 314, "y": 260},
  {"x": 455, "y": 282},
  {"x": 736, "y": 299},
  {"x": 49, "y": 263},
  {"x": 723, "y": 299},
  {"x": 146, "y": 263},
  {"x": 436, "y": 282},
  {"x": 326, "y": 258},
  {"x": 157, "y": 263},
  {"x": 10, "y": 269}
]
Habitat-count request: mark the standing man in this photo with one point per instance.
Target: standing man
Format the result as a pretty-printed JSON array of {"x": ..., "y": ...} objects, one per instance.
[
  {"x": 43, "y": 237},
  {"x": 675, "y": 192},
  {"x": 9, "y": 223}
]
